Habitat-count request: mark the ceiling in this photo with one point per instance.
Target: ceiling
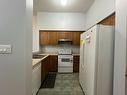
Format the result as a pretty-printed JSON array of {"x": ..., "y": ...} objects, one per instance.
[{"x": 55, "y": 5}]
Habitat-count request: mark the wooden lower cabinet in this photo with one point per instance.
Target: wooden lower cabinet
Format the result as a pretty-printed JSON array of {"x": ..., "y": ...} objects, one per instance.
[
  {"x": 53, "y": 63},
  {"x": 49, "y": 64},
  {"x": 76, "y": 64},
  {"x": 45, "y": 68}
]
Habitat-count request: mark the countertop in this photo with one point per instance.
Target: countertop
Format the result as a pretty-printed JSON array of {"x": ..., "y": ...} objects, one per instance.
[
  {"x": 38, "y": 60},
  {"x": 74, "y": 54},
  {"x": 48, "y": 54}
]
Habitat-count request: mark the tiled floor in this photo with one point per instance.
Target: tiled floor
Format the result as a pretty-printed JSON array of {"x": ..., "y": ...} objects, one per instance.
[{"x": 66, "y": 84}]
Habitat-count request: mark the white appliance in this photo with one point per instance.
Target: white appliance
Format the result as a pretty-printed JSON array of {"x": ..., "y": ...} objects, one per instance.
[
  {"x": 65, "y": 61},
  {"x": 96, "y": 60}
]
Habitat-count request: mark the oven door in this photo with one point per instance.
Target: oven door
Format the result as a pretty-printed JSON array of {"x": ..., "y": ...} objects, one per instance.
[{"x": 65, "y": 60}]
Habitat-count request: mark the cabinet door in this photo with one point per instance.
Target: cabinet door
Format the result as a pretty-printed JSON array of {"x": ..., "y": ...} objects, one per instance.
[
  {"x": 76, "y": 38},
  {"x": 42, "y": 71},
  {"x": 65, "y": 35},
  {"x": 45, "y": 68},
  {"x": 44, "y": 38},
  {"x": 53, "y": 63},
  {"x": 76, "y": 64},
  {"x": 109, "y": 20},
  {"x": 68, "y": 35},
  {"x": 53, "y": 38}
]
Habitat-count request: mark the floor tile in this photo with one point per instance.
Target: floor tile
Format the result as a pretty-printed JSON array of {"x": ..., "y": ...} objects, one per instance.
[{"x": 65, "y": 84}]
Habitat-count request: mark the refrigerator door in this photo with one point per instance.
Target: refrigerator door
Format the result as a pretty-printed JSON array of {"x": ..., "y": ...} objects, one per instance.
[
  {"x": 90, "y": 65},
  {"x": 85, "y": 58},
  {"x": 105, "y": 60},
  {"x": 96, "y": 62},
  {"x": 81, "y": 69}
]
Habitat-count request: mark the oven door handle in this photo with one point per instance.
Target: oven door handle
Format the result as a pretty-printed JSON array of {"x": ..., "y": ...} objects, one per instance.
[{"x": 71, "y": 61}]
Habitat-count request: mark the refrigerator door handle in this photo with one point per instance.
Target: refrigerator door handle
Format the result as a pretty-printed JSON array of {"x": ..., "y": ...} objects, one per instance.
[{"x": 88, "y": 38}]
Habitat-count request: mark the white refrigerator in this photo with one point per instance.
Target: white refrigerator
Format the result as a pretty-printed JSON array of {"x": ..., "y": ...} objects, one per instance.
[{"x": 96, "y": 60}]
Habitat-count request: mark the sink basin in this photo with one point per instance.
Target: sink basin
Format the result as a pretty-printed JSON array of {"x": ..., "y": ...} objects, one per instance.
[{"x": 38, "y": 56}]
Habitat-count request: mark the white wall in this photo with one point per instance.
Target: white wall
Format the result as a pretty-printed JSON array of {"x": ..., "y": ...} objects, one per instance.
[
  {"x": 120, "y": 47},
  {"x": 35, "y": 34},
  {"x": 98, "y": 11},
  {"x": 16, "y": 29},
  {"x": 61, "y": 21}
]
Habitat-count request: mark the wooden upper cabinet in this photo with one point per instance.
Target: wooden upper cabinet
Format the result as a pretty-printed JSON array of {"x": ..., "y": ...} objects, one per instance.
[
  {"x": 76, "y": 38},
  {"x": 44, "y": 38},
  {"x": 110, "y": 20},
  {"x": 65, "y": 35},
  {"x": 53, "y": 38}
]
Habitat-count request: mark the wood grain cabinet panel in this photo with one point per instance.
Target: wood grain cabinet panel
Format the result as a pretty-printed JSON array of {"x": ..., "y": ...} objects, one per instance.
[
  {"x": 45, "y": 68},
  {"x": 76, "y": 64},
  {"x": 53, "y": 63},
  {"x": 76, "y": 38},
  {"x": 44, "y": 38},
  {"x": 53, "y": 38},
  {"x": 49, "y": 64},
  {"x": 110, "y": 20},
  {"x": 65, "y": 35}
]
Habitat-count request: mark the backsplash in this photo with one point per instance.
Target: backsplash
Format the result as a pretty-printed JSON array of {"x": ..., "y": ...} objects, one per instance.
[{"x": 54, "y": 49}]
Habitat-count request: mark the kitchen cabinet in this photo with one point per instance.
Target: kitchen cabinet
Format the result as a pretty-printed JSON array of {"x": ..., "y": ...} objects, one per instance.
[
  {"x": 76, "y": 63},
  {"x": 45, "y": 68},
  {"x": 52, "y": 37},
  {"x": 76, "y": 38},
  {"x": 36, "y": 78},
  {"x": 65, "y": 35},
  {"x": 110, "y": 20},
  {"x": 44, "y": 38},
  {"x": 49, "y": 64},
  {"x": 53, "y": 63}
]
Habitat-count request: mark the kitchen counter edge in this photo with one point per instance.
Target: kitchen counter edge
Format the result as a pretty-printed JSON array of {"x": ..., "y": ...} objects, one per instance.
[{"x": 37, "y": 61}]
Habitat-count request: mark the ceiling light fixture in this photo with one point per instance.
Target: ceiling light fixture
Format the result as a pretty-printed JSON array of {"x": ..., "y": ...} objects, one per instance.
[{"x": 63, "y": 2}]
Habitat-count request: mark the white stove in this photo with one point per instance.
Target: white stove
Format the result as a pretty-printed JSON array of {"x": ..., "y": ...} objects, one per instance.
[
  {"x": 65, "y": 61},
  {"x": 65, "y": 52}
]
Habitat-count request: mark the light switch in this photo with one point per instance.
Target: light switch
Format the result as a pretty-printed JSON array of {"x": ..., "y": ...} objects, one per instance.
[{"x": 5, "y": 49}]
